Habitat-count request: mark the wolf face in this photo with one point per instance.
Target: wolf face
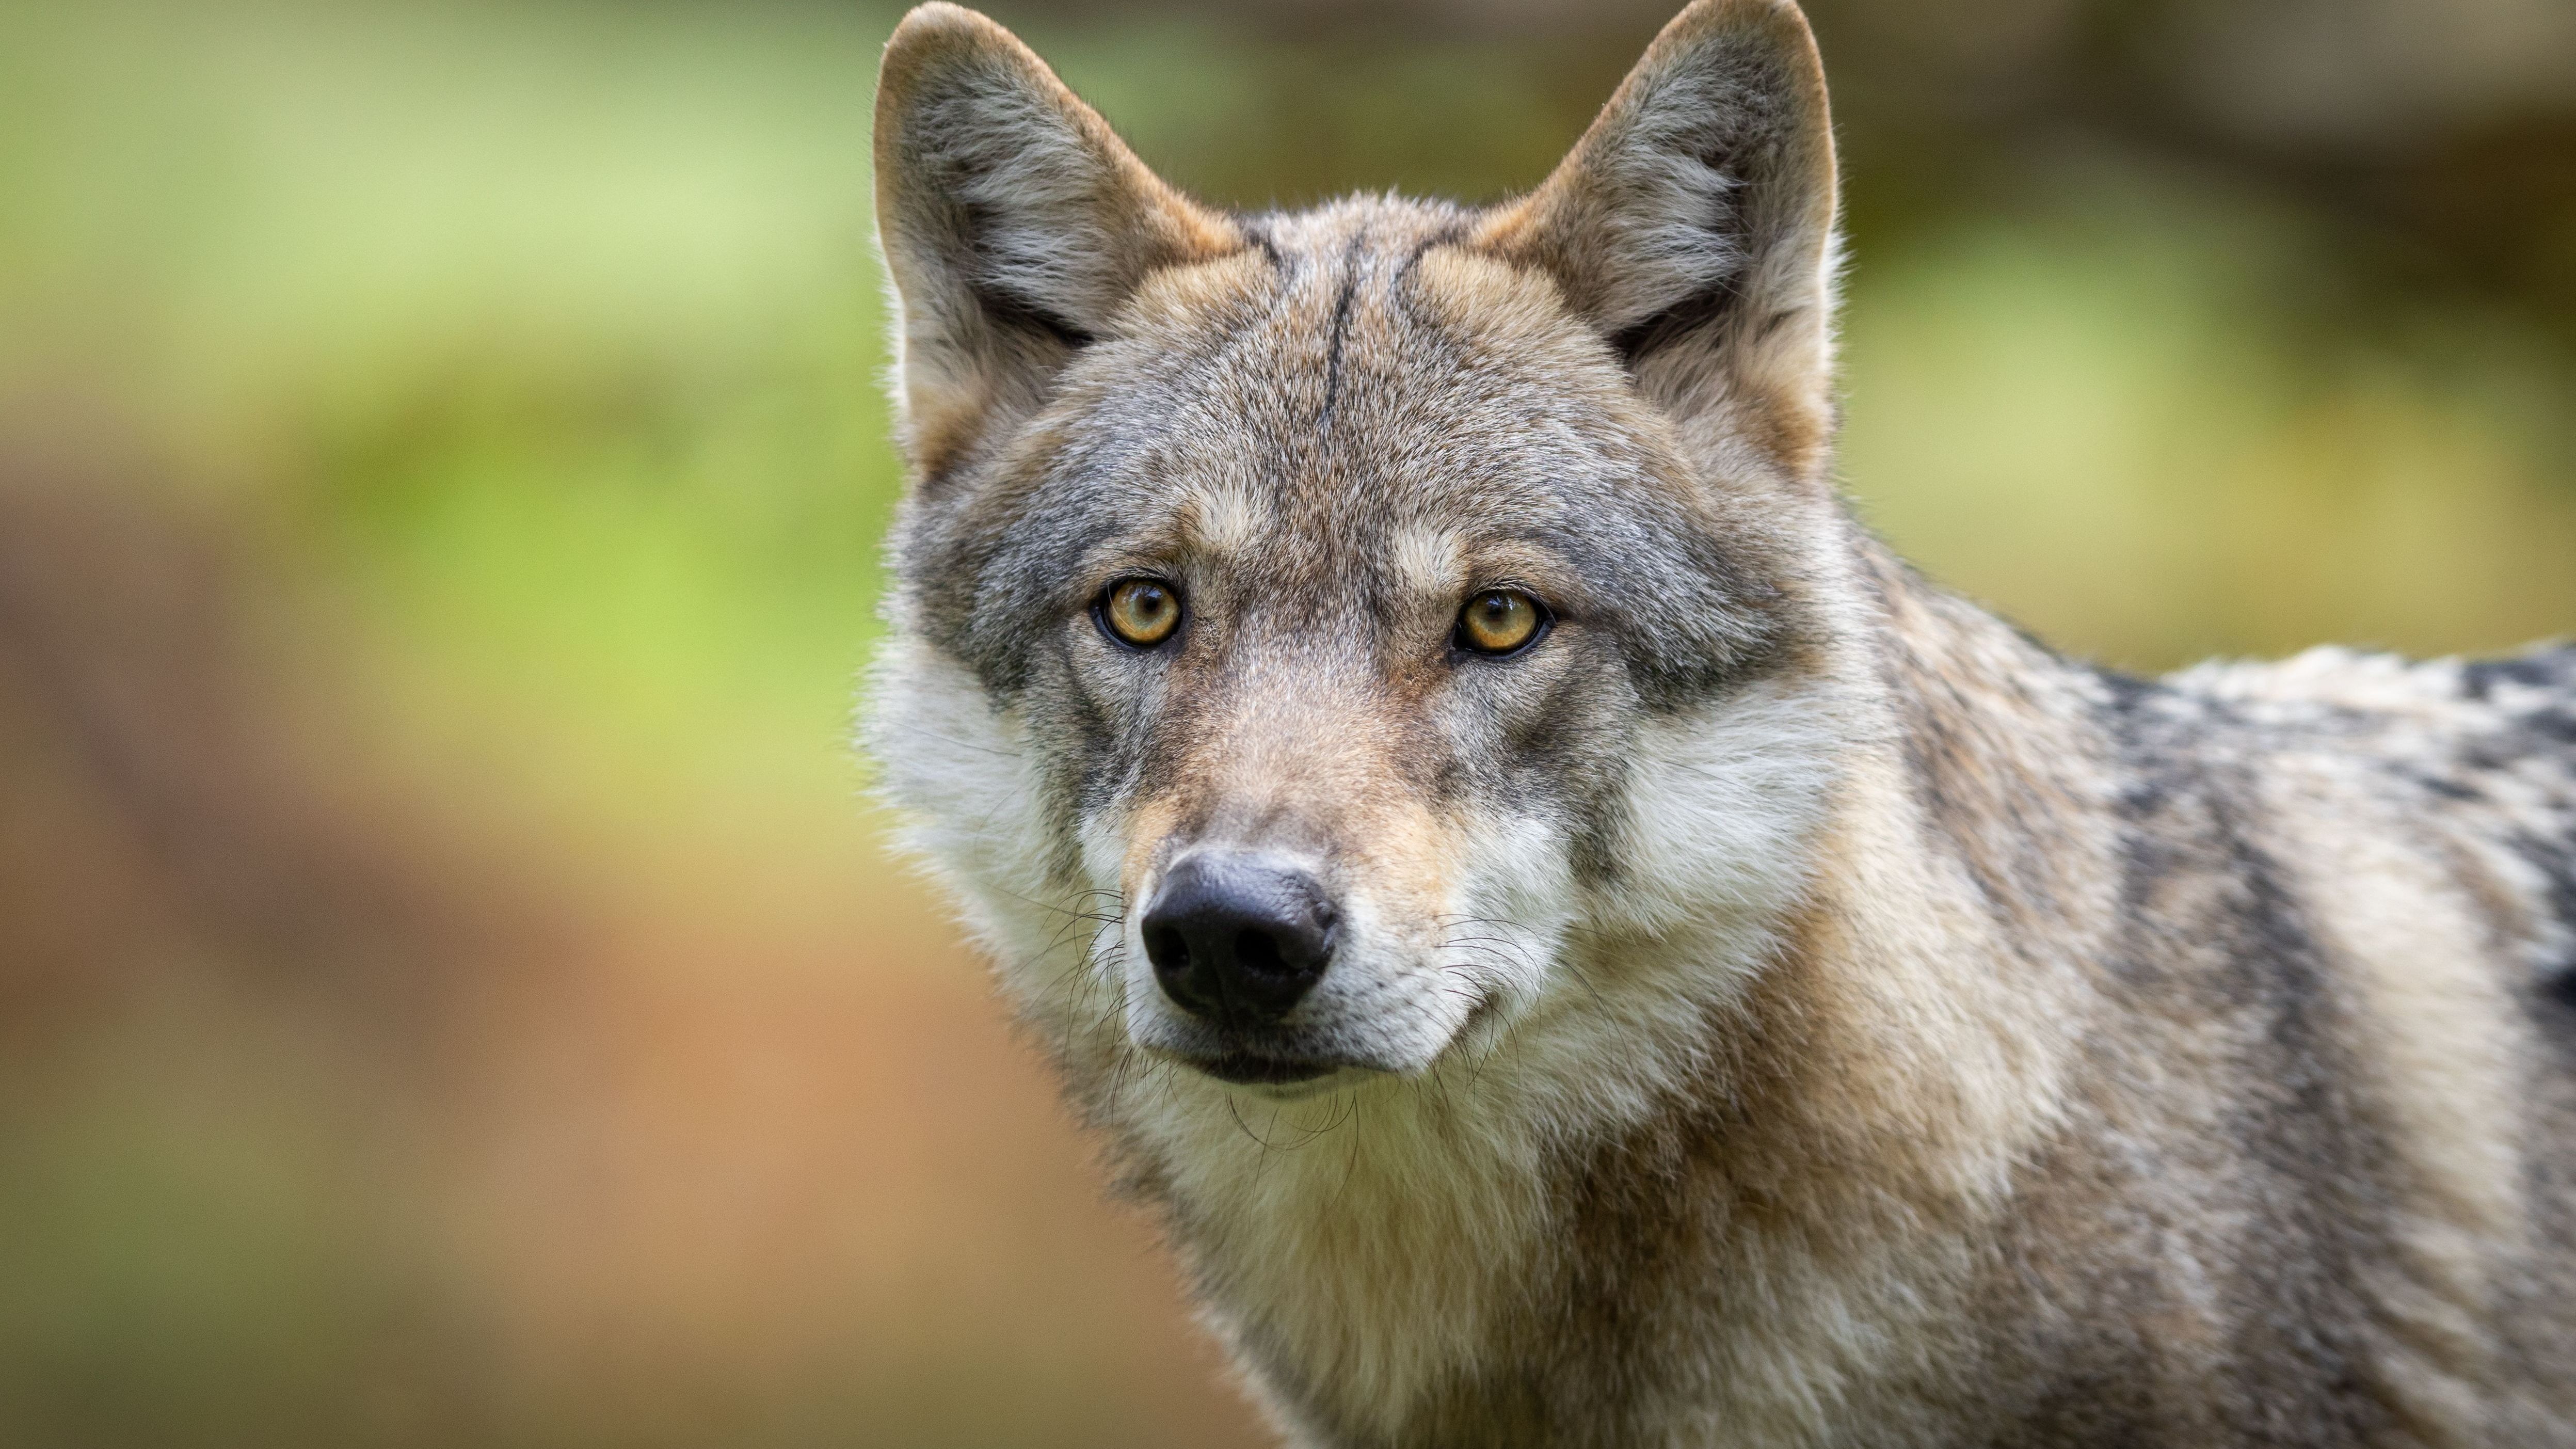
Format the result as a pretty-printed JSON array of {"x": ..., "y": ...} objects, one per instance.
[{"x": 1317, "y": 633}]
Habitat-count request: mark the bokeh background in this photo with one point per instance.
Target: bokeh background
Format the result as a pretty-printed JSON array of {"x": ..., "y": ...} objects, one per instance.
[{"x": 451, "y": 990}]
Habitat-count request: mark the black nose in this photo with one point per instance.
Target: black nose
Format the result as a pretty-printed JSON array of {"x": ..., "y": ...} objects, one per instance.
[{"x": 1237, "y": 940}]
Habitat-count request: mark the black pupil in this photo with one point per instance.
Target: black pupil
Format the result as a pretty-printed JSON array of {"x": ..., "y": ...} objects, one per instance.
[{"x": 1146, "y": 605}]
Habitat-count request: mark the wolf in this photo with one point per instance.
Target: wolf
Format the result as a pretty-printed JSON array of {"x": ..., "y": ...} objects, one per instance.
[{"x": 1574, "y": 941}]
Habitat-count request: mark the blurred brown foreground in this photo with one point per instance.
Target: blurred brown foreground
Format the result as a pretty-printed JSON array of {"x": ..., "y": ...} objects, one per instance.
[{"x": 334, "y": 1115}]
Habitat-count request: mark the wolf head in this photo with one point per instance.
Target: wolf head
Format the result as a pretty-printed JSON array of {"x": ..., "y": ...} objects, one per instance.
[{"x": 1326, "y": 644}]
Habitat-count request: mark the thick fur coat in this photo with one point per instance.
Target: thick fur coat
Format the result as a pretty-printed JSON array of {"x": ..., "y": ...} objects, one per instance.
[{"x": 1779, "y": 1004}]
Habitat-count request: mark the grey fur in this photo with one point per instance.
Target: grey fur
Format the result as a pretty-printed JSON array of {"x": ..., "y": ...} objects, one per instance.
[{"x": 1784, "y": 1005}]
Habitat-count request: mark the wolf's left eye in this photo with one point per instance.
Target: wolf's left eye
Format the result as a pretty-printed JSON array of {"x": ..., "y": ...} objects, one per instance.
[
  {"x": 1140, "y": 613},
  {"x": 1501, "y": 621}
]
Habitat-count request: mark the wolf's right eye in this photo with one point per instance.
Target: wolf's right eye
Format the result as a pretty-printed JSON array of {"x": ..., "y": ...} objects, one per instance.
[
  {"x": 1139, "y": 613},
  {"x": 1499, "y": 622}
]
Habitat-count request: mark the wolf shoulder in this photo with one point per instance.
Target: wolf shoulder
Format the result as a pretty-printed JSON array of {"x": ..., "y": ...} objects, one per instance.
[{"x": 2423, "y": 812}]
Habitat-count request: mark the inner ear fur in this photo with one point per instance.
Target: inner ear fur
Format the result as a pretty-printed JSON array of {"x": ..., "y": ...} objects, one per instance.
[
  {"x": 1693, "y": 224},
  {"x": 1014, "y": 223}
]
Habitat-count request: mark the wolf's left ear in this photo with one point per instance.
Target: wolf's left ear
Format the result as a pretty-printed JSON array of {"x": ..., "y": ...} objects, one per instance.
[
  {"x": 1014, "y": 222},
  {"x": 1693, "y": 224}
]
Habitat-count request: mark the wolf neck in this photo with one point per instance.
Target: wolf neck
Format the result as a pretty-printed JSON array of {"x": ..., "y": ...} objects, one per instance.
[{"x": 1701, "y": 1156}]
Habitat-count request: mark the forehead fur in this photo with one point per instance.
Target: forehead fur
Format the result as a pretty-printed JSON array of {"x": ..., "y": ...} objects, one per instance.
[{"x": 1355, "y": 391}]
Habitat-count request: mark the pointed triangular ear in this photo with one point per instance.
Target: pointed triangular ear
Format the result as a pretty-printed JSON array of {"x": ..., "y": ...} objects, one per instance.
[
  {"x": 1014, "y": 224},
  {"x": 1693, "y": 224}
]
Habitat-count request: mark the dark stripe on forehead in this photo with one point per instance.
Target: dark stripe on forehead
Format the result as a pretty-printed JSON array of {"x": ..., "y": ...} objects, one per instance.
[
  {"x": 1260, "y": 240},
  {"x": 1449, "y": 235},
  {"x": 1254, "y": 240},
  {"x": 1341, "y": 326}
]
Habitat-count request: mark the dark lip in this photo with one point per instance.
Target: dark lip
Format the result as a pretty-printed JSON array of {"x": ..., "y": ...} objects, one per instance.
[{"x": 1243, "y": 1069}]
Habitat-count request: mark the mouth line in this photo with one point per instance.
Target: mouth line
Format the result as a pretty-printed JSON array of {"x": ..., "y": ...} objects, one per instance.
[{"x": 1245, "y": 1069}]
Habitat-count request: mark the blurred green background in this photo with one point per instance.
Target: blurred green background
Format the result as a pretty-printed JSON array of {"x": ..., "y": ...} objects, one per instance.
[{"x": 450, "y": 988}]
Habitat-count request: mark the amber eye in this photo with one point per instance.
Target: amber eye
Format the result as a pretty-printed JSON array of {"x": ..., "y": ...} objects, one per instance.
[
  {"x": 1500, "y": 622},
  {"x": 1141, "y": 612}
]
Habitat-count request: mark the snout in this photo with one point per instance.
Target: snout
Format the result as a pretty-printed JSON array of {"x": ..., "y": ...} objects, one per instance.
[
  {"x": 1273, "y": 974},
  {"x": 1237, "y": 940}
]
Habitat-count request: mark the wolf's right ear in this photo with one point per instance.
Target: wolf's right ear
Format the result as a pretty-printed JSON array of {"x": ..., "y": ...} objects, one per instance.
[
  {"x": 1013, "y": 221},
  {"x": 1693, "y": 225}
]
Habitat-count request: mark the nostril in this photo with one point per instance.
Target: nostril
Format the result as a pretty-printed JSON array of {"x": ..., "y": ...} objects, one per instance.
[
  {"x": 1235, "y": 939},
  {"x": 1258, "y": 952},
  {"x": 1167, "y": 950}
]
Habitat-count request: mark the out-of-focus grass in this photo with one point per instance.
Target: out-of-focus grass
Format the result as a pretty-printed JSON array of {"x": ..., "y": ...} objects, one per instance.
[
  {"x": 530, "y": 355},
  {"x": 2136, "y": 414},
  {"x": 546, "y": 337}
]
